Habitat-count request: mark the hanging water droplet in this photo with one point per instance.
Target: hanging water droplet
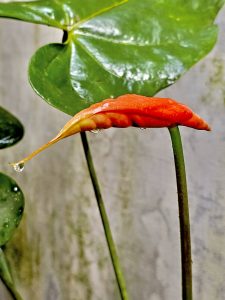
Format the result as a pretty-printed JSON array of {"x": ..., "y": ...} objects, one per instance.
[
  {"x": 19, "y": 167},
  {"x": 95, "y": 130}
]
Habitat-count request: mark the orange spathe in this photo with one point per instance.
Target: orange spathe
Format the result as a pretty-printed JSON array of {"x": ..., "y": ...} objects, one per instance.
[{"x": 125, "y": 111}]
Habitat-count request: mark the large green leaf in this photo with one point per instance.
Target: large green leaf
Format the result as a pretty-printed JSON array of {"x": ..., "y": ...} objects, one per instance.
[
  {"x": 11, "y": 207},
  {"x": 11, "y": 130},
  {"x": 112, "y": 49},
  {"x": 64, "y": 14}
]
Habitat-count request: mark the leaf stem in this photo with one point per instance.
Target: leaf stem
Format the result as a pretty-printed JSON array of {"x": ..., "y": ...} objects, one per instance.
[
  {"x": 185, "y": 236},
  {"x": 6, "y": 277},
  {"x": 111, "y": 245}
]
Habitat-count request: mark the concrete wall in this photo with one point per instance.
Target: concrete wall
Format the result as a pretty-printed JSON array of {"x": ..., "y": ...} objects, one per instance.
[{"x": 59, "y": 251}]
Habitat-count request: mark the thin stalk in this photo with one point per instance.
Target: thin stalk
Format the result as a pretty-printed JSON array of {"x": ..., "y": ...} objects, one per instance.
[
  {"x": 6, "y": 277},
  {"x": 108, "y": 234},
  {"x": 185, "y": 235}
]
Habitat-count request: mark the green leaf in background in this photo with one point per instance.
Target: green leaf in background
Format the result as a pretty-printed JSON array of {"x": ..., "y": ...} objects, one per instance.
[
  {"x": 11, "y": 207},
  {"x": 11, "y": 130},
  {"x": 112, "y": 49}
]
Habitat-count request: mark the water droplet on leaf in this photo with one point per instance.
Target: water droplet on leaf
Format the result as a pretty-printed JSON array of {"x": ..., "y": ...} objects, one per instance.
[
  {"x": 18, "y": 167},
  {"x": 6, "y": 225},
  {"x": 11, "y": 210},
  {"x": 20, "y": 211},
  {"x": 15, "y": 189}
]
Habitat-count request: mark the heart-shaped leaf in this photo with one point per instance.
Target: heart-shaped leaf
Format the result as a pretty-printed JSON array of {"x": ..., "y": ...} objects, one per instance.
[
  {"x": 11, "y": 130},
  {"x": 11, "y": 207},
  {"x": 111, "y": 49}
]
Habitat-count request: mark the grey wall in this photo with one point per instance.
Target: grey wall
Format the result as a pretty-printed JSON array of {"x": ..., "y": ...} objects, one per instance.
[{"x": 59, "y": 251}]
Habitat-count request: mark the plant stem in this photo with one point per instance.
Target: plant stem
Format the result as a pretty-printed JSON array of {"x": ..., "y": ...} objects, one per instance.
[
  {"x": 185, "y": 236},
  {"x": 111, "y": 245},
  {"x": 6, "y": 277}
]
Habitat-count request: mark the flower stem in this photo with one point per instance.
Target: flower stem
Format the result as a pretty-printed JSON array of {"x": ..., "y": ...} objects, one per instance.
[
  {"x": 111, "y": 245},
  {"x": 6, "y": 277},
  {"x": 185, "y": 236}
]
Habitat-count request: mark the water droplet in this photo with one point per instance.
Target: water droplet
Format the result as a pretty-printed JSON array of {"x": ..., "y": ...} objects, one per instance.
[
  {"x": 6, "y": 225},
  {"x": 16, "y": 198},
  {"x": 15, "y": 189},
  {"x": 18, "y": 167},
  {"x": 20, "y": 211},
  {"x": 95, "y": 130},
  {"x": 16, "y": 221}
]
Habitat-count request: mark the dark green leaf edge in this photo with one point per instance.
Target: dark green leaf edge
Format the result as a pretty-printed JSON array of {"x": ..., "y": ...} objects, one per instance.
[{"x": 11, "y": 129}]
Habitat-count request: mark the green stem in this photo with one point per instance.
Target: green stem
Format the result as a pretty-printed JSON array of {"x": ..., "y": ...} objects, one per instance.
[
  {"x": 105, "y": 221},
  {"x": 185, "y": 236},
  {"x": 6, "y": 277}
]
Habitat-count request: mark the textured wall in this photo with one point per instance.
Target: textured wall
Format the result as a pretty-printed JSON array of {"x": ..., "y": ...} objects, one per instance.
[{"x": 59, "y": 251}]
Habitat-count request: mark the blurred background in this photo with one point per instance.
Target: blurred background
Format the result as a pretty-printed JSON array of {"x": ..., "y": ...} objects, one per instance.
[{"x": 59, "y": 251}]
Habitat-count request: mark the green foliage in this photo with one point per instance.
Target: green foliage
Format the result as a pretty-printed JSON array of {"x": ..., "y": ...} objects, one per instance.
[
  {"x": 11, "y": 130},
  {"x": 11, "y": 207},
  {"x": 62, "y": 14},
  {"x": 113, "y": 48},
  {"x": 11, "y": 197}
]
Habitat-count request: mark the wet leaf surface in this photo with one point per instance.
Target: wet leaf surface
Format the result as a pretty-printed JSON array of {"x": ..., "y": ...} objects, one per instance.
[{"x": 11, "y": 207}]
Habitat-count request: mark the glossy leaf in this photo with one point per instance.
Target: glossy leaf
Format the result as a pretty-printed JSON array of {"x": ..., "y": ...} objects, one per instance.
[
  {"x": 127, "y": 110},
  {"x": 64, "y": 14},
  {"x": 111, "y": 49},
  {"x": 11, "y": 207},
  {"x": 11, "y": 130}
]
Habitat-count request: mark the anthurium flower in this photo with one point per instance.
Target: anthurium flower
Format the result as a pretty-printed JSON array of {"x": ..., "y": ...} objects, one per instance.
[{"x": 128, "y": 110}]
